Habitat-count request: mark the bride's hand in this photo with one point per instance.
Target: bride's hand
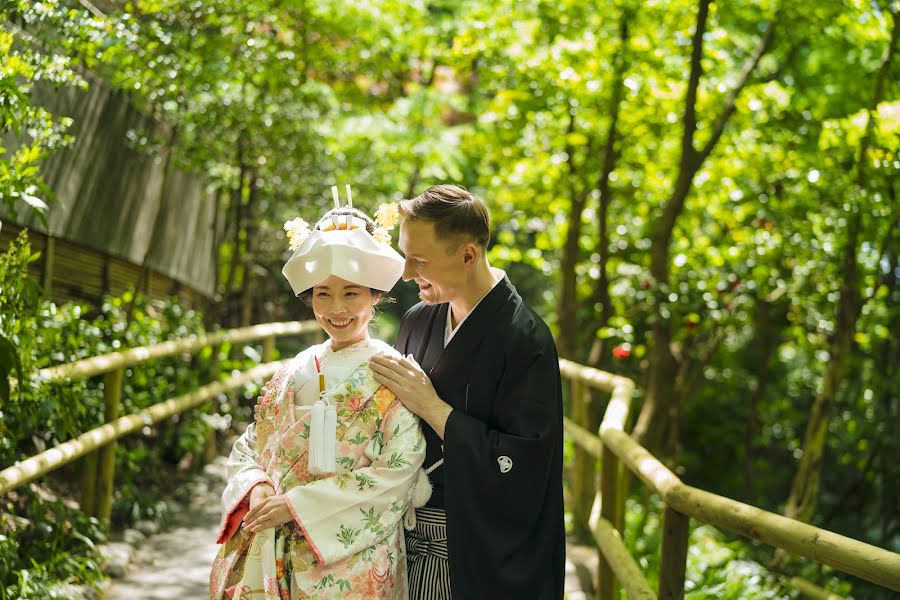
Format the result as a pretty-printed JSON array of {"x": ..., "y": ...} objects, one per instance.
[
  {"x": 271, "y": 511},
  {"x": 259, "y": 493}
]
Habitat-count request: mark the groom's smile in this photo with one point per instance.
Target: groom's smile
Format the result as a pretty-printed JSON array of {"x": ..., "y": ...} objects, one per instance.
[{"x": 431, "y": 262}]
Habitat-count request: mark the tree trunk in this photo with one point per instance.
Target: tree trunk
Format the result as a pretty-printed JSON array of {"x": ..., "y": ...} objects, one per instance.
[
  {"x": 804, "y": 492},
  {"x": 770, "y": 320},
  {"x": 659, "y": 397},
  {"x": 601, "y": 294},
  {"x": 249, "y": 258},
  {"x": 567, "y": 310},
  {"x": 890, "y": 403},
  {"x": 237, "y": 200},
  {"x": 801, "y": 502},
  {"x": 210, "y": 312}
]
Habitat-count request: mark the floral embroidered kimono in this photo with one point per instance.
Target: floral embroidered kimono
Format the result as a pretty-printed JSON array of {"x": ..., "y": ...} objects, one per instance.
[{"x": 346, "y": 540}]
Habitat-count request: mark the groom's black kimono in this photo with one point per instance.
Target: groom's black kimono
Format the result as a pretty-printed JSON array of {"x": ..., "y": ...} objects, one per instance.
[{"x": 501, "y": 481}]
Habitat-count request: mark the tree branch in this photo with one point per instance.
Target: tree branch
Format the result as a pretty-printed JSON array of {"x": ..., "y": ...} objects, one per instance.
[
  {"x": 689, "y": 153},
  {"x": 877, "y": 95},
  {"x": 883, "y": 248},
  {"x": 600, "y": 293},
  {"x": 729, "y": 107}
]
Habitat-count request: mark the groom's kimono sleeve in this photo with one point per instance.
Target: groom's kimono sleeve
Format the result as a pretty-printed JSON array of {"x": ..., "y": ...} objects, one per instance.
[{"x": 502, "y": 477}]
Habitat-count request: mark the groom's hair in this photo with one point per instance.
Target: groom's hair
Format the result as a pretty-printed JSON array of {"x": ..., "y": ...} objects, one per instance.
[{"x": 459, "y": 216}]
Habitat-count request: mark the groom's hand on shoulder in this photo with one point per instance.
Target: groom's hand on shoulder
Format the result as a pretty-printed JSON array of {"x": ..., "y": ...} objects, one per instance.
[{"x": 413, "y": 388}]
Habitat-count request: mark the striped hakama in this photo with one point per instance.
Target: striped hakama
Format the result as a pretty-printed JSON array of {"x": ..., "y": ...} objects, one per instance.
[{"x": 427, "y": 556}]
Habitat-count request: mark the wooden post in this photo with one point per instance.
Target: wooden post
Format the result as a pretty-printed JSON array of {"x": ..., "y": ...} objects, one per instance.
[
  {"x": 268, "y": 349},
  {"x": 89, "y": 484},
  {"x": 106, "y": 277},
  {"x": 676, "y": 530},
  {"x": 624, "y": 480},
  {"x": 609, "y": 495},
  {"x": 213, "y": 376},
  {"x": 112, "y": 400},
  {"x": 584, "y": 469}
]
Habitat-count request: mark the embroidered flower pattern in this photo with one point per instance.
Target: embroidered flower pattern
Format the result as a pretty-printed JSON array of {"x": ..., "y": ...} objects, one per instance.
[{"x": 359, "y": 537}]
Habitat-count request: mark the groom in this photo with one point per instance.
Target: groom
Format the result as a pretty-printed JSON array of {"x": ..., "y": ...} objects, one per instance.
[{"x": 481, "y": 370}]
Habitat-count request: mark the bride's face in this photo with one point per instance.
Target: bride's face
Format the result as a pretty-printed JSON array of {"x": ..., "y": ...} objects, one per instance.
[{"x": 344, "y": 310}]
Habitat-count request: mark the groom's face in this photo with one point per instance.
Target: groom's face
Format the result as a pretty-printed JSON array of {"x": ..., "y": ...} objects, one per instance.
[{"x": 435, "y": 266}]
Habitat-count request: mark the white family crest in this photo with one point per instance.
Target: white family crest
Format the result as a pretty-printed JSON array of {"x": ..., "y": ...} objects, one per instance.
[{"x": 505, "y": 463}]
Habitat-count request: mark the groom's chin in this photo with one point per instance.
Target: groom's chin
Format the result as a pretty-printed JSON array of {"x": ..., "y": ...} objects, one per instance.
[{"x": 428, "y": 296}]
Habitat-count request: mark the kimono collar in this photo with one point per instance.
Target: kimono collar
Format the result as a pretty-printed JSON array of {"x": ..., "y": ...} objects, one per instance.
[
  {"x": 449, "y": 330},
  {"x": 470, "y": 333}
]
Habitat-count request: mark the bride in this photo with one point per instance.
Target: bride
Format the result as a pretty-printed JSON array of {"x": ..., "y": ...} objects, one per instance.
[{"x": 320, "y": 481}]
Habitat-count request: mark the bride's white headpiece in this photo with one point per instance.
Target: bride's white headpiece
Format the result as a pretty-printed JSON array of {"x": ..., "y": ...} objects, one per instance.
[{"x": 341, "y": 246}]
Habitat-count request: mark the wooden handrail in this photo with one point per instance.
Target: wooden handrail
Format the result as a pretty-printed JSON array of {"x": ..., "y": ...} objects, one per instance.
[
  {"x": 846, "y": 554},
  {"x": 872, "y": 563},
  {"x": 105, "y": 436},
  {"x": 49, "y": 460},
  {"x": 105, "y": 363},
  {"x": 620, "y": 560}
]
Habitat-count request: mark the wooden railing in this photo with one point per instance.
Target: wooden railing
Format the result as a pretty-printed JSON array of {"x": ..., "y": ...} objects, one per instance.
[
  {"x": 98, "y": 446},
  {"x": 613, "y": 446},
  {"x": 615, "y": 449}
]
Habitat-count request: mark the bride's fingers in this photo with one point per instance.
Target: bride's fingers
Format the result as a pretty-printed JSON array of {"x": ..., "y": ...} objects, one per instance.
[
  {"x": 255, "y": 523},
  {"x": 256, "y": 510}
]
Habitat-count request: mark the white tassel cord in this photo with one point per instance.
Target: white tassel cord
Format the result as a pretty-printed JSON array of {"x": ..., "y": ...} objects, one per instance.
[
  {"x": 316, "y": 431},
  {"x": 322, "y": 438},
  {"x": 329, "y": 439}
]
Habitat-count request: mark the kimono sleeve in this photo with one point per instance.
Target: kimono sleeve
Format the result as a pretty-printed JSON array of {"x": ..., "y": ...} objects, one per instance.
[
  {"x": 243, "y": 475},
  {"x": 348, "y": 512},
  {"x": 502, "y": 482}
]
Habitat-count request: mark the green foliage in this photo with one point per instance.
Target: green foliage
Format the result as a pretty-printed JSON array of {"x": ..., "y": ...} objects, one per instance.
[
  {"x": 27, "y": 60},
  {"x": 56, "y": 535},
  {"x": 276, "y": 101},
  {"x": 717, "y": 567},
  {"x": 9, "y": 362},
  {"x": 43, "y": 539},
  {"x": 14, "y": 278},
  {"x": 55, "y": 544}
]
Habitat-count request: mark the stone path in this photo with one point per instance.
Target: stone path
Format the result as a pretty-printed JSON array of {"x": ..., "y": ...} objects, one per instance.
[{"x": 174, "y": 564}]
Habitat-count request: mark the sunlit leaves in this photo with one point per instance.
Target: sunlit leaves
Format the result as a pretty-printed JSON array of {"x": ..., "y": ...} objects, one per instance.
[{"x": 25, "y": 62}]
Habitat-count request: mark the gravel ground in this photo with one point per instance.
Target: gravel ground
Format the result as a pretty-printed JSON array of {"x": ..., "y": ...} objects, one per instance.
[{"x": 174, "y": 564}]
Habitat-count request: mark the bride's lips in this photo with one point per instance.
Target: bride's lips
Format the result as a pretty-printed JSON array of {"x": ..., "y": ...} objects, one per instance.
[{"x": 340, "y": 323}]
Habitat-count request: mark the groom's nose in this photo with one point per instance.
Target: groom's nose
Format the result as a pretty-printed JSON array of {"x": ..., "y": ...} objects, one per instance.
[{"x": 409, "y": 271}]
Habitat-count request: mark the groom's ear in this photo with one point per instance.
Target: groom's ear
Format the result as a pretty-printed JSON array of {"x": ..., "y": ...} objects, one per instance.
[{"x": 470, "y": 254}]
